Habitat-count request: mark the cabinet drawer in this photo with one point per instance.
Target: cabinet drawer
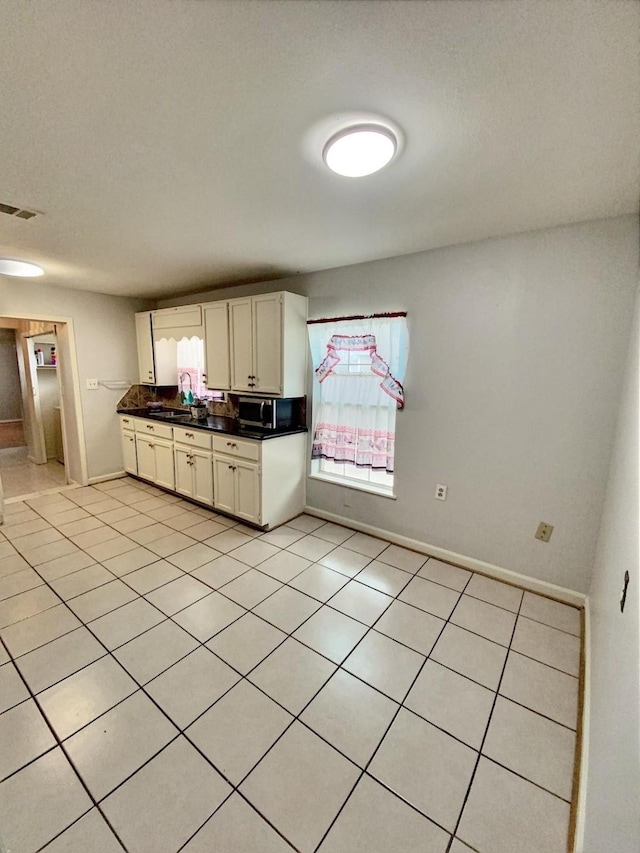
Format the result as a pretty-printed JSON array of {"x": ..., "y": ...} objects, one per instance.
[
  {"x": 192, "y": 437},
  {"x": 155, "y": 429},
  {"x": 127, "y": 423},
  {"x": 232, "y": 446}
]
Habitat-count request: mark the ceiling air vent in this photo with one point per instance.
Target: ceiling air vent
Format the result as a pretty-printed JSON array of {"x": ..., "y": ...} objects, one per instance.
[{"x": 19, "y": 213}]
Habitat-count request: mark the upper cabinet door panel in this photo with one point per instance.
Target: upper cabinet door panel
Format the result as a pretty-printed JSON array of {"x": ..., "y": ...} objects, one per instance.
[
  {"x": 216, "y": 346},
  {"x": 177, "y": 318},
  {"x": 267, "y": 342},
  {"x": 242, "y": 373},
  {"x": 145, "y": 348}
]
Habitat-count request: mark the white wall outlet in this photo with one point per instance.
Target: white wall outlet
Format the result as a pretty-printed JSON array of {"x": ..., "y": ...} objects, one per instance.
[
  {"x": 92, "y": 384},
  {"x": 441, "y": 492}
]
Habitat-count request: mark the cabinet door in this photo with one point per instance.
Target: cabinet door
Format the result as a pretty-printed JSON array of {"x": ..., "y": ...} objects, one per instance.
[
  {"x": 165, "y": 475},
  {"x": 129, "y": 456},
  {"x": 216, "y": 347},
  {"x": 183, "y": 471},
  {"x": 223, "y": 484},
  {"x": 145, "y": 348},
  {"x": 202, "y": 470},
  {"x": 242, "y": 372},
  {"x": 247, "y": 483},
  {"x": 146, "y": 457},
  {"x": 267, "y": 343}
]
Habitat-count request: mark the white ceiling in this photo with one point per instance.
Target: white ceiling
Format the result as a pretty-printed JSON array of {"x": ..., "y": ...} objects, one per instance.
[{"x": 175, "y": 144}]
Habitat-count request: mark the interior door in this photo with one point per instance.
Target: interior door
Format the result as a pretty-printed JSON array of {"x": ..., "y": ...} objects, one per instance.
[
  {"x": 38, "y": 449},
  {"x": 267, "y": 343},
  {"x": 242, "y": 373}
]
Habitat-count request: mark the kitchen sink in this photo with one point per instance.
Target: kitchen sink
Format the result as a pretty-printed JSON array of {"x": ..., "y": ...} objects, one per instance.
[{"x": 169, "y": 416}]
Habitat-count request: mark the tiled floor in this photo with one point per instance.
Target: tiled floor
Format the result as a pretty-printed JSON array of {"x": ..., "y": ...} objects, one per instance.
[
  {"x": 20, "y": 477},
  {"x": 172, "y": 680}
]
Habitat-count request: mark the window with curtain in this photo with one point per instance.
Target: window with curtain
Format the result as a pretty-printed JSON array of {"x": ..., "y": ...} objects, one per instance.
[{"x": 359, "y": 367}]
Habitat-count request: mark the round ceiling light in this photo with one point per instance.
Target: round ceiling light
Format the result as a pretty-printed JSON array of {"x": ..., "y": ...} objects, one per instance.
[
  {"x": 23, "y": 269},
  {"x": 360, "y": 150}
]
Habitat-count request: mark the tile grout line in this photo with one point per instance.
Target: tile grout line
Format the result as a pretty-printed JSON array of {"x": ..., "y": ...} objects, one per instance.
[
  {"x": 486, "y": 731},
  {"x": 321, "y": 603},
  {"x": 59, "y": 744},
  {"x": 290, "y": 635},
  {"x": 384, "y": 734}
]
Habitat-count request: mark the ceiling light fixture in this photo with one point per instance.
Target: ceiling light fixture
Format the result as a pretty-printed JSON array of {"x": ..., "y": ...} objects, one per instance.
[
  {"x": 23, "y": 269},
  {"x": 360, "y": 150}
]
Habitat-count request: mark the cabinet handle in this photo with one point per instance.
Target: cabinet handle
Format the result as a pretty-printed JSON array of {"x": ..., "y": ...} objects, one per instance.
[
  {"x": 231, "y": 444},
  {"x": 125, "y": 420},
  {"x": 189, "y": 434},
  {"x": 251, "y": 377},
  {"x": 150, "y": 427},
  {"x": 232, "y": 467},
  {"x": 151, "y": 445},
  {"x": 251, "y": 384}
]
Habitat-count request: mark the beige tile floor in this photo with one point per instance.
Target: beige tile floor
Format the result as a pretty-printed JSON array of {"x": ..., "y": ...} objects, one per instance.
[
  {"x": 173, "y": 680},
  {"x": 21, "y": 477}
]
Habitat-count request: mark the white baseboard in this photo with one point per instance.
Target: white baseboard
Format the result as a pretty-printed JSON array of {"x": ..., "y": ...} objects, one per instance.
[
  {"x": 581, "y": 800},
  {"x": 103, "y": 478},
  {"x": 561, "y": 593}
]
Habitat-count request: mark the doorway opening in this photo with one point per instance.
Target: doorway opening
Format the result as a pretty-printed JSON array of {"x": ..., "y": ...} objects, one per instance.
[{"x": 42, "y": 440}]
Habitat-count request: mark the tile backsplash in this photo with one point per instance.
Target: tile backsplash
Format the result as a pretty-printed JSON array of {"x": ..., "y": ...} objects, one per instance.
[{"x": 138, "y": 396}]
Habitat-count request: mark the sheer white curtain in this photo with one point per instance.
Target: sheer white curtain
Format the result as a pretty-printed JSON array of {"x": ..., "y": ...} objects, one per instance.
[
  {"x": 359, "y": 367},
  {"x": 190, "y": 358}
]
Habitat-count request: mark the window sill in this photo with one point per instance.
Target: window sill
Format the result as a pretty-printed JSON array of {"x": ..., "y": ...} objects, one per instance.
[{"x": 352, "y": 484}]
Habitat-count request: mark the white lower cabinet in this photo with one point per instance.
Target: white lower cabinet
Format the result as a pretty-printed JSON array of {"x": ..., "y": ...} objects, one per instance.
[
  {"x": 260, "y": 482},
  {"x": 194, "y": 473},
  {"x": 237, "y": 487},
  {"x": 129, "y": 455},
  {"x": 155, "y": 460}
]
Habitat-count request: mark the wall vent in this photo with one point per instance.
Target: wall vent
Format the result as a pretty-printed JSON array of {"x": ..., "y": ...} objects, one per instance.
[{"x": 19, "y": 213}]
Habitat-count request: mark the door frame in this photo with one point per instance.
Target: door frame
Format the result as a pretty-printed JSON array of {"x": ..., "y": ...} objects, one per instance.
[{"x": 73, "y": 436}]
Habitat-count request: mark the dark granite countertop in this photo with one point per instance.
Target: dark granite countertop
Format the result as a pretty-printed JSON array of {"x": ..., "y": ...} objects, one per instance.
[{"x": 213, "y": 423}]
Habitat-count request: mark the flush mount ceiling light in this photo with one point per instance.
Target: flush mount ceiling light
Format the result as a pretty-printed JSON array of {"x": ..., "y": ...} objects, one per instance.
[
  {"x": 360, "y": 150},
  {"x": 22, "y": 269}
]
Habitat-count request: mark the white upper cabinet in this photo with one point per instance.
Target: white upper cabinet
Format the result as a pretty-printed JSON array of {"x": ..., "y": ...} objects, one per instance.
[
  {"x": 268, "y": 337},
  {"x": 216, "y": 346},
  {"x": 253, "y": 345},
  {"x": 241, "y": 335},
  {"x": 146, "y": 367},
  {"x": 267, "y": 343}
]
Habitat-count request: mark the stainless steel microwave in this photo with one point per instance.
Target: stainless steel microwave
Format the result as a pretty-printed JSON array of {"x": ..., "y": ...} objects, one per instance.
[{"x": 269, "y": 413}]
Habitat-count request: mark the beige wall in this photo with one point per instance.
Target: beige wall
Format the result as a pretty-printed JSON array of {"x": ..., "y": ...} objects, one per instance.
[
  {"x": 613, "y": 767},
  {"x": 106, "y": 349},
  {"x": 10, "y": 405},
  {"x": 515, "y": 370}
]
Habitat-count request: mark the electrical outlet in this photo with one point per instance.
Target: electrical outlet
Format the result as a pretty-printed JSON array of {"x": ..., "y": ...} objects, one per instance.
[
  {"x": 92, "y": 384},
  {"x": 441, "y": 492},
  {"x": 544, "y": 531}
]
